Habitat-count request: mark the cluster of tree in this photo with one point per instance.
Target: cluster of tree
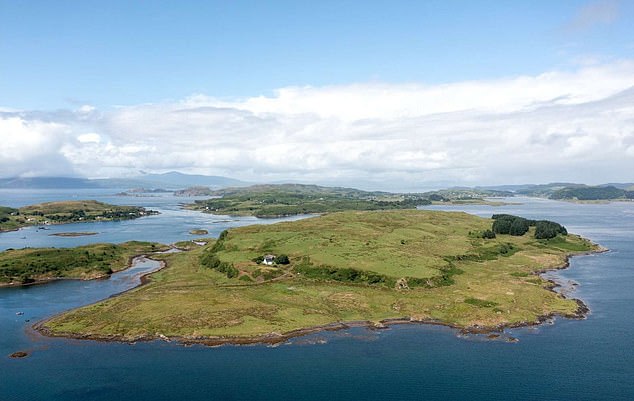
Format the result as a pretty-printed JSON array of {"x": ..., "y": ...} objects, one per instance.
[
  {"x": 210, "y": 260},
  {"x": 515, "y": 225},
  {"x": 344, "y": 274},
  {"x": 352, "y": 275},
  {"x": 509, "y": 224},
  {"x": 121, "y": 214},
  {"x": 5, "y": 212},
  {"x": 545, "y": 229},
  {"x": 437, "y": 198}
]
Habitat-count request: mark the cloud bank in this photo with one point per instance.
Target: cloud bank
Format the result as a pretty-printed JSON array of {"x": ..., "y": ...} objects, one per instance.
[{"x": 573, "y": 126}]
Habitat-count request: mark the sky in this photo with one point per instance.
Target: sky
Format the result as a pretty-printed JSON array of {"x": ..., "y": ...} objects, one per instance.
[{"x": 374, "y": 94}]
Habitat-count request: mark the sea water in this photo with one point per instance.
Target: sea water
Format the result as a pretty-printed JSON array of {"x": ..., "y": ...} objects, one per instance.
[{"x": 591, "y": 359}]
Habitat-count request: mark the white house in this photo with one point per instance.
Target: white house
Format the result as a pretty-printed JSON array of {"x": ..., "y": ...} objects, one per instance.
[{"x": 268, "y": 259}]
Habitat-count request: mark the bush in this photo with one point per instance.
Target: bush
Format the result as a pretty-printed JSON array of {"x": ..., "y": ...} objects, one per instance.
[
  {"x": 211, "y": 261},
  {"x": 347, "y": 274},
  {"x": 282, "y": 260},
  {"x": 488, "y": 234}
]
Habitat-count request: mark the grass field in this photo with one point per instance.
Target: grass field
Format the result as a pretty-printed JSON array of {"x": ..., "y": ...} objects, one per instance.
[
  {"x": 488, "y": 287},
  {"x": 23, "y": 266}
]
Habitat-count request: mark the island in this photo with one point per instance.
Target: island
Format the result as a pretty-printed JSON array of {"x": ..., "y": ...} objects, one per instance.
[
  {"x": 37, "y": 265},
  {"x": 592, "y": 193},
  {"x": 196, "y": 191},
  {"x": 74, "y": 234},
  {"x": 198, "y": 231},
  {"x": 267, "y": 283},
  {"x": 469, "y": 196},
  {"x": 144, "y": 192},
  {"x": 575, "y": 192},
  {"x": 67, "y": 212},
  {"x": 293, "y": 199}
]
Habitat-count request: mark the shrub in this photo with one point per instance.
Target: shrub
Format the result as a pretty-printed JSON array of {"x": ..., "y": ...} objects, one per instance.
[
  {"x": 488, "y": 234},
  {"x": 480, "y": 302}
]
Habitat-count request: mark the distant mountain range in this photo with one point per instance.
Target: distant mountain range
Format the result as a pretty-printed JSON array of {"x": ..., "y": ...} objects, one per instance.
[
  {"x": 208, "y": 185},
  {"x": 172, "y": 180}
]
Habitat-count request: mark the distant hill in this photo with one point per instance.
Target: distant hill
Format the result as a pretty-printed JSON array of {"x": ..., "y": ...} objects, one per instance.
[
  {"x": 303, "y": 189},
  {"x": 564, "y": 190},
  {"x": 540, "y": 190},
  {"x": 172, "y": 180},
  {"x": 592, "y": 193},
  {"x": 571, "y": 191},
  {"x": 47, "y": 183},
  {"x": 175, "y": 179}
]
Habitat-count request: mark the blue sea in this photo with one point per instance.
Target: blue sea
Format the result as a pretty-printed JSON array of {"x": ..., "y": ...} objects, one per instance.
[{"x": 590, "y": 359}]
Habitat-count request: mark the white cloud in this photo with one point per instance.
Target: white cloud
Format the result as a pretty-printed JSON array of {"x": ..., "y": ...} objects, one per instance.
[
  {"x": 86, "y": 109},
  {"x": 31, "y": 148},
  {"x": 576, "y": 126},
  {"x": 385, "y": 101},
  {"x": 89, "y": 137}
]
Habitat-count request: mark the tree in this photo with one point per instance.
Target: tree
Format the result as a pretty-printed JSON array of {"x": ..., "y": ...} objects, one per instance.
[
  {"x": 509, "y": 224},
  {"x": 545, "y": 229},
  {"x": 518, "y": 227}
]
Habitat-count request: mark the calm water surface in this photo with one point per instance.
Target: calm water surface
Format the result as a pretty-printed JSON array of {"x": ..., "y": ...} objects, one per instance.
[
  {"x": 590, "y": 359},
  {"x": 171, "y": 225}
]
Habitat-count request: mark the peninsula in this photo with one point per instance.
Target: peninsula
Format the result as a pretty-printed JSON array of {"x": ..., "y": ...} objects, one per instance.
[
  {"x": 36, "y": 265},
  {"x": 67, "y": 212},
  {"x": 266, "y": 283}
]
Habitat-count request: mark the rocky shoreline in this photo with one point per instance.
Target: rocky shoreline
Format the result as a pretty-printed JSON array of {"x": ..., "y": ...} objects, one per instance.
[{"x": 491, "y": 332}]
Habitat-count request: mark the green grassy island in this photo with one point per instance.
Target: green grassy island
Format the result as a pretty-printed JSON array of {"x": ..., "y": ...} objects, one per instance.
[
  {"x": 265, "y": 283},
  {"x": 293, "y": 199},
  {"x": 67, "y": 212},
  {"x": 30, "y": 265}
]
